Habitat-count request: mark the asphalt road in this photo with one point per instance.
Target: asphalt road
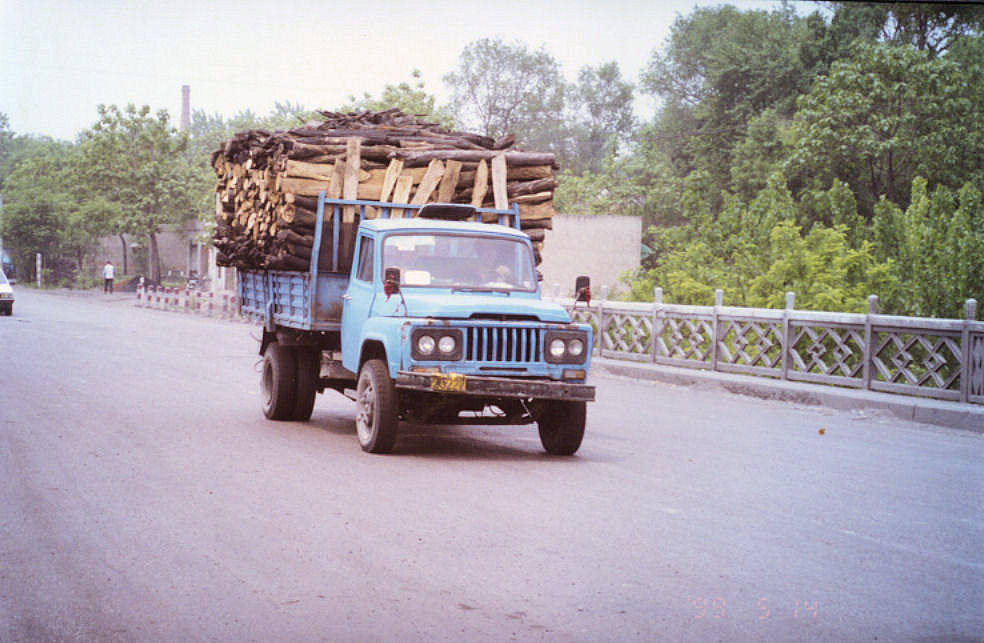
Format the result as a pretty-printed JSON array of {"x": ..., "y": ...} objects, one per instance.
[{"x": 145, "y": 498}]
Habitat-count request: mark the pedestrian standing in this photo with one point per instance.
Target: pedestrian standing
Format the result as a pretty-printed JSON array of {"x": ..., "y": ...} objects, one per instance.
[{"x": 109, "y": 273}]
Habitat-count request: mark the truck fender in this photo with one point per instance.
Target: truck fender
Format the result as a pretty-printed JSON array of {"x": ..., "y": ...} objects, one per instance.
[{"x": 381, "y": 340}]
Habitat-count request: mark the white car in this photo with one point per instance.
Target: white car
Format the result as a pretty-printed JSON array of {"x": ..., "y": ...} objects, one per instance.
[{"x": 6, "y": 296}]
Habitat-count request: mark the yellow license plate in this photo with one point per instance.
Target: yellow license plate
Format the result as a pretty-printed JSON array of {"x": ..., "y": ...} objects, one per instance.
[{"x": 448, "y": 383}]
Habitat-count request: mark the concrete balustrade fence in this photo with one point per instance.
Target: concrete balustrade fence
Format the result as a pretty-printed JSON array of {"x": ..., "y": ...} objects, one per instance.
[
  {"x": 935, "y": 358},
  {"x": 920, "y": 356}
]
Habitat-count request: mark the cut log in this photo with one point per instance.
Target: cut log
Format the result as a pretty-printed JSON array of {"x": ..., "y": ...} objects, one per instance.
[
  {"x": 267, "y": 182},
  {"x": 512, "y": 158}
]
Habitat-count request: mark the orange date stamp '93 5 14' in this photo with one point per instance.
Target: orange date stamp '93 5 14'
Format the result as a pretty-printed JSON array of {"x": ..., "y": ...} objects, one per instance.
[{"x": 717, "y": 608}]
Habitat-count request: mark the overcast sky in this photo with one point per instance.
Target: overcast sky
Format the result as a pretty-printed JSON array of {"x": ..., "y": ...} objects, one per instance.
[{"x": 59, "y": 59}]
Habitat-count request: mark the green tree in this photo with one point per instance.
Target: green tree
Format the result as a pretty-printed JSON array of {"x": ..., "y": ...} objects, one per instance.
[
  {"x": 933, "y": 27},
  {"x": 720, "y": 68},
  {"x": 884, "y": 116},
  {"x": 134, "y": 160},
  {"x": 822, "y": 269},
  {"x": 500, "y": 89},
  {"x": 38, "y": 204},
  {"x": 602, "y": 121},
  {"x": 938, "y": 241}
]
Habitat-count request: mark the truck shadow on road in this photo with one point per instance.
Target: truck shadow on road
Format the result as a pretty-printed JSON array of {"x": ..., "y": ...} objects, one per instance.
[{"x": 516, "y": 443}]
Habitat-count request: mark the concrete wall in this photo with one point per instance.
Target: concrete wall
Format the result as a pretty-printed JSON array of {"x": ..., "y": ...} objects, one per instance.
[
  {"x": 602, "y": 247},
  {"x": 180, "y": 253}
]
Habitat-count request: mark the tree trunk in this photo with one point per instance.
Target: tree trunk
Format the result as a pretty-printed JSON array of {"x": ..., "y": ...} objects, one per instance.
[
  {"x": 154, "y": 259},
  {"x": 123, "y": 243}
]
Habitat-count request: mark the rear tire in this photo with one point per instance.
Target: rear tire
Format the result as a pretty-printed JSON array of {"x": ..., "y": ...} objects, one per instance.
[
  {"x": 308, "y": 367},
  {"x": 377, "y": 415},
  {"x": 278, "y": 383},
  {"x": 561, "y": 425}
]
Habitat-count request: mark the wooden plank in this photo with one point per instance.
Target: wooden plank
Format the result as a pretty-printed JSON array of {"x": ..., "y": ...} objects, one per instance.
[
  {"x": 337, "y": 178},
  {"x": 499, "y": 192},
  {"x": 401, "y": 194},
  {"x": 318, "y": 171},
  {"x": 350, "y": 186},
  {"x": 449, "y": 181},
  {"x": 304, "y": 187},
  {"x": 389, "y": 179},
  {"x": 302, "y": 170},
  {"x": 481, "y": 184},
  {"x": 435, "y": 170}
]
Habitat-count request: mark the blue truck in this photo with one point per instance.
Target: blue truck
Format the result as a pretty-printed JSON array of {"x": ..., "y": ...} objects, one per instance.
[{"x": 435, "y": 318}]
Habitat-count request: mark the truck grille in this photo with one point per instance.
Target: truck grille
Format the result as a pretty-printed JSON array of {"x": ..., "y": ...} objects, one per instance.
[{"x": 502, "y": 344}]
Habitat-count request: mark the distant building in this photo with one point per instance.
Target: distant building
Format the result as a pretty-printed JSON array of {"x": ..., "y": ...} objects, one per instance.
[{"x": 599, "y": 246}]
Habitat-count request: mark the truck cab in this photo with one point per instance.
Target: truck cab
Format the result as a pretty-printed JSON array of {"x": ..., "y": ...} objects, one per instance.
[{"x": 442, "y": 322}]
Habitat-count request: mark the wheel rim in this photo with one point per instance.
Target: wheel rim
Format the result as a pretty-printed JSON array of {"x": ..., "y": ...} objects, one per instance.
[{"x": 365, "y": 410}]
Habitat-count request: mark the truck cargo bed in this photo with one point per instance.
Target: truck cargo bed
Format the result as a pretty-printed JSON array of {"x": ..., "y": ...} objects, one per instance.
[{"x": 289, "y": 299}]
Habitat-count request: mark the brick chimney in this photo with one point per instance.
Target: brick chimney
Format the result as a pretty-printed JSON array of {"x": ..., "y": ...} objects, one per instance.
[{"x": 185, "y": 106}]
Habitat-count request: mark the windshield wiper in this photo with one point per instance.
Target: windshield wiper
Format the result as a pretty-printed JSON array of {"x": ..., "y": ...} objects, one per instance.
[{"x": 507, "y": 291}]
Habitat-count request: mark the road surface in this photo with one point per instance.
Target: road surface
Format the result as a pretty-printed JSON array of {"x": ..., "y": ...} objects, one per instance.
[{"x": 145, "y": 498}]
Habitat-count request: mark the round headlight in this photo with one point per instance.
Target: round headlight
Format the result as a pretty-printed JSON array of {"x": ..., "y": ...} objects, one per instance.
[
  {"x": 575, "y": 347},
  {"x": 425, "y": 344},
  {"x": 557, "y": 347},
  {"x": 446, "y": 344}
]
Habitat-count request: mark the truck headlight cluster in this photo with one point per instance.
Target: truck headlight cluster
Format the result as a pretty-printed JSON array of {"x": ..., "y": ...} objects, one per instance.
[
  {"x": 435, "y": 344},
  {"x": 567, "y": 347}
]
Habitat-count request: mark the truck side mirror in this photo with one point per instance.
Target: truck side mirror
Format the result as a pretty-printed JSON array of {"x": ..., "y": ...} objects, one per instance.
[
  {"x": 582, "y": 290},
  {"x": 391, "y": 281}
]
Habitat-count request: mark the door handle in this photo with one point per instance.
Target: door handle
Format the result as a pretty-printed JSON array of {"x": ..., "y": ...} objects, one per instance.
[{"x": 347, "y": 297}]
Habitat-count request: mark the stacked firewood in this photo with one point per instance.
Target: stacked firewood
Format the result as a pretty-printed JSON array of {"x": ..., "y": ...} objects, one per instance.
[{"x": 268, "y": 182}]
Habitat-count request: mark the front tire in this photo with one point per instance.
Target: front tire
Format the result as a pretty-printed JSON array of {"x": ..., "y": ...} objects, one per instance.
[
  {"x": 377, "y": 415},
  {"x": 278, "y": 383},
  {"x": 561, "y": 425}
]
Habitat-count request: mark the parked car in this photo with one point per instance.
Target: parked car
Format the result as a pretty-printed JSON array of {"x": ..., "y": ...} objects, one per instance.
[{"x": 6, "y": 296}]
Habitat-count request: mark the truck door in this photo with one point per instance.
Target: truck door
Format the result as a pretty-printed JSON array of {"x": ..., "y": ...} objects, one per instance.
[{"x": 357, "y": 300}]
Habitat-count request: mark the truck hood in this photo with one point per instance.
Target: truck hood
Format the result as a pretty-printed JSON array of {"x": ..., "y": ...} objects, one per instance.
[{"x": 465, "y": 305}]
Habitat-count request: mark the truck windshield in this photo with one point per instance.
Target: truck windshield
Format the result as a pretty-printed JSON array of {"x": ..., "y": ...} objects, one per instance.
[{"x": 460, "y": 261}]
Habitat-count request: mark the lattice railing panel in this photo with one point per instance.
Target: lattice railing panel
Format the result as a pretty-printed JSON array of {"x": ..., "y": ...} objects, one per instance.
[
  {"x": 750, "y": 343},
  {"x": 975, "y": 366},
  {"x": 685, "y": 338},
  {"x": 627, "y": 333},
  {"x": 827, "y": 351},
  {"x": 917, "y": 359}
]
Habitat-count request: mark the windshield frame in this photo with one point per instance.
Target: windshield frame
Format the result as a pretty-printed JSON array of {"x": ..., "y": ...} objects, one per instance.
[{"x": 528, "y": 264}]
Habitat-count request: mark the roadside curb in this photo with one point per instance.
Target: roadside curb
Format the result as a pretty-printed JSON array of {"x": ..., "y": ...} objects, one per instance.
[{"x": 968, "y": 417}]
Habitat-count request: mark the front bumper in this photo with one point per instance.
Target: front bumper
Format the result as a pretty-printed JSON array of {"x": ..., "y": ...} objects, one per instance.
[{"x": 509, "y": 387}]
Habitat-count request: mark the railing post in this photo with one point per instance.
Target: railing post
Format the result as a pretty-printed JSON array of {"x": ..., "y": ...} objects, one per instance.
[
  {"x": 657, "y": 331},
  {"x": 869, "y": 341},
  {"x": 970, "y": 315},
  {"x": 718, "y": 302},
  {"x": 787, "y": 337},
  {"x": 600, "y": 345}
]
